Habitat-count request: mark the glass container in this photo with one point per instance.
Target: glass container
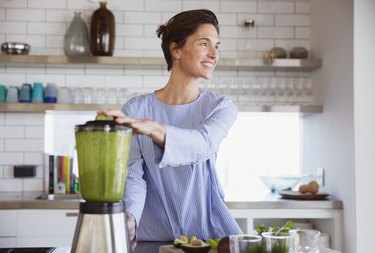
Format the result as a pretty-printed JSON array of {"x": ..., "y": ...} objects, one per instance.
[
  {"x": 102, "y": 31},
  {"x": 103, "y": 151},
  {"x": 76, "y": 39}
]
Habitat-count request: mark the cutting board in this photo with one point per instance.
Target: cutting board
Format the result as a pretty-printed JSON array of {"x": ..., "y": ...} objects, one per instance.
[{"x": 173, "y": 249}]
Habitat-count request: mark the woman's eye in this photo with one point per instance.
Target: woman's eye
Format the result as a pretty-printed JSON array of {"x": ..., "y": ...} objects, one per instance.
[{"x": 204, "y": 44}]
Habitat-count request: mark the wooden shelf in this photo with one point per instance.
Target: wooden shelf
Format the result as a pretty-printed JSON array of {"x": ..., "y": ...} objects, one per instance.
[
  {"x": 249, "y": 64},
  {"x": 43, "y": 107}
]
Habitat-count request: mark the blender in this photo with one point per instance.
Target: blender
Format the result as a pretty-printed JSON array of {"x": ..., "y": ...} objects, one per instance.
[{"x": 103, "y": 151}]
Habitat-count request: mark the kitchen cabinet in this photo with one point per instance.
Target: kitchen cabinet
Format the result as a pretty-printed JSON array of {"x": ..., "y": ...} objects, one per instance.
[
  {"x": 8, "y": 229},
  {"x": 37, "y": 227}
]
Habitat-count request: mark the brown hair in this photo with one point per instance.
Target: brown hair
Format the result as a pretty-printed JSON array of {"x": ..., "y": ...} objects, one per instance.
[{"x": 182, "y": 25}]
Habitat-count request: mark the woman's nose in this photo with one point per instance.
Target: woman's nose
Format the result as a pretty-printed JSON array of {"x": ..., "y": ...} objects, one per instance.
[{"x": 213, "y": 52}]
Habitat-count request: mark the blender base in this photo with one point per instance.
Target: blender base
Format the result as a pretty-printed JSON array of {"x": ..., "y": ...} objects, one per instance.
[{"x": 101, "y": 228}]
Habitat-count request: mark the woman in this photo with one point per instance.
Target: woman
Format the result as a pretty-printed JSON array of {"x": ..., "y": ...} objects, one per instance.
[{"x": 172, "y": 186}]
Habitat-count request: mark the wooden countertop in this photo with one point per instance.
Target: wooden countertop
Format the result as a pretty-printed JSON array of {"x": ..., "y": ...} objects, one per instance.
[{"x": 19, "y": 200}]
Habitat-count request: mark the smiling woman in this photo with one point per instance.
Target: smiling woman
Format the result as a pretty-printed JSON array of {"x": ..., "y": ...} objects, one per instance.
[{"x": 172, "y": 186}]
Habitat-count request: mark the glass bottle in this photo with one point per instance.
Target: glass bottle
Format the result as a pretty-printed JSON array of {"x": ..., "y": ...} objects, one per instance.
[
  {"x": 76, "y": 39},
  {"x": 102, "y": 31}
]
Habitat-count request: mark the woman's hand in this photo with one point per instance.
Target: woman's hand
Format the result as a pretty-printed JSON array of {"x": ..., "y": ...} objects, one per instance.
[
  {"x": 131, "y": 227},
  {"x": 150, "y": 128}
]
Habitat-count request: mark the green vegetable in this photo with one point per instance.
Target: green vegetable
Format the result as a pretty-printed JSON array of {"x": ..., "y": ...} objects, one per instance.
[
  {"x": 213, "y": 243},
  {"x": 284, "y": 229}
]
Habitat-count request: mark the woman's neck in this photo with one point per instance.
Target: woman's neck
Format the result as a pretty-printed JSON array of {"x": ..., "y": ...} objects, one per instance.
[{"x": 179, "y": 91}]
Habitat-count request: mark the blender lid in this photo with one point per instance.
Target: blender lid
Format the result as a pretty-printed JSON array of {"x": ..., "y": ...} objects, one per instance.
[{"x": 103, "y": 125}]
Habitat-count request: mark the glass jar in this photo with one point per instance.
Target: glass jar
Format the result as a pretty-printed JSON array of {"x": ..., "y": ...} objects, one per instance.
[{"x": 103, "y": 151}]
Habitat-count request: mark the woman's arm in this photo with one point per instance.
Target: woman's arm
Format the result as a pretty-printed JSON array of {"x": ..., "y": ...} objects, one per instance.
[
  {"x": 187, "y": 146},
  {"x": 184, "y": 146}
]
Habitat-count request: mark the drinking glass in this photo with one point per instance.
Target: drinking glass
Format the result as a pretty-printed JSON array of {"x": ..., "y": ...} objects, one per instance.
[
  {"x": 101, "y": 95},
  {"x": 298, "y": 90},
  {"x": 37, "y": 95},
  {"x": 304, "y": 241},
  {"x": 77, "y": 95},
  {"x": 112, "y": 96},
  {"x": 50, "y": 95},
  {"x": 12, "y": 96},
  {"x": 65, "y": 95},
  {"x": 276, "y": 242},
  {"x": 122, "y": 96},
  {"x": 88, "y": 95},
  {"x": 245, "y": 243},
  {"x": 25, "y": 93},
  {"x": 3, "y": 93},
  {"x": 244, "y": 89}
]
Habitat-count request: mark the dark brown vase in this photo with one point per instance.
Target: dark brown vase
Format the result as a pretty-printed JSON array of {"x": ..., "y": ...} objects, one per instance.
[{"x": 102, "y": 31}]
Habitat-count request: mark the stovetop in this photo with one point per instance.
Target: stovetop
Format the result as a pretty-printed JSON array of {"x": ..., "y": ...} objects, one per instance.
[
  {"x": 35, "y": 250},
  {"x": 27, "y": 250}
]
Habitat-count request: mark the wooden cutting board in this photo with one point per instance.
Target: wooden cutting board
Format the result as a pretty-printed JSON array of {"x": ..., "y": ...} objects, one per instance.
[{"x": 173, "y": 249}]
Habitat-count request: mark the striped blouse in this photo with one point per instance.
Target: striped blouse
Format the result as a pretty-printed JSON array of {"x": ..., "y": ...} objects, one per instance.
[{"x": 175, "y": 190}]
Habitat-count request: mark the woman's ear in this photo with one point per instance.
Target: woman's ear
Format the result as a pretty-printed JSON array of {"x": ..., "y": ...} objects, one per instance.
[{"x": 175, "y": 50}]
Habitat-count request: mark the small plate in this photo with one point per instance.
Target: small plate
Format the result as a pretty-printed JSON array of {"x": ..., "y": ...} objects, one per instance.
[{"x": 303, "y": 196}]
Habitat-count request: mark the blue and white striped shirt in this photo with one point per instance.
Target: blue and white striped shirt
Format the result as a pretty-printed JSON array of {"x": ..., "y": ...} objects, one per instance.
[{"x": 175, "y": 190}]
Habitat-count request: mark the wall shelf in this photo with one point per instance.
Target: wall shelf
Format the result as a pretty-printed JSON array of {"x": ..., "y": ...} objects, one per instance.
[
  {"x": 43, "y": 107},
  {"x": 249, "y": 64}
]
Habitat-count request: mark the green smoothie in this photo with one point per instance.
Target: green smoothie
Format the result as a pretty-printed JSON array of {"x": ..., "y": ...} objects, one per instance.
[{"x": 103, "y": 164}]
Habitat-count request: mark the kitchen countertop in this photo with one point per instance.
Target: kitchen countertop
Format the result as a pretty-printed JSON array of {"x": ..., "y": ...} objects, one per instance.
[
  {"x": 153, "y": 247},
  {"x": 19, "y": 200}
]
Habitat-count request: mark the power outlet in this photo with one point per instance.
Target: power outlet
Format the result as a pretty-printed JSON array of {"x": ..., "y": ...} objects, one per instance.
[{"x": 320, "y": 176}]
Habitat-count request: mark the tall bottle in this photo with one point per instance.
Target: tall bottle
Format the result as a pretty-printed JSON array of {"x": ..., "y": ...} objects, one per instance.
[
  {"x": 102, "y": 31},
  {"x": 76, "y": 39}
]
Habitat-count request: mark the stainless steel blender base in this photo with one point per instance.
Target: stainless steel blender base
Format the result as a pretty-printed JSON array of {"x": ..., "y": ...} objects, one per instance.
[{"x": 101, "y": 233}]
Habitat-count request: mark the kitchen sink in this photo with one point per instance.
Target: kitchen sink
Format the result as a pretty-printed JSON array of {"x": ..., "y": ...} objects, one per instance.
[{"x": 60, "y": 197}]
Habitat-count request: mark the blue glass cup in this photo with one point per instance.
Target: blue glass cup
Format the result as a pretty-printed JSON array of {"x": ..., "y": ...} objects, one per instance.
[
  {"x": 37, "y": 93},
  {"x": 50, "y": 95},
  {"x": 25, "y": 93}
]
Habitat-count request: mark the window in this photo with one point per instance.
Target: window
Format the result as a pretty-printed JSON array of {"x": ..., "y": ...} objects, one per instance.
[{"x": 258, "y": 144}]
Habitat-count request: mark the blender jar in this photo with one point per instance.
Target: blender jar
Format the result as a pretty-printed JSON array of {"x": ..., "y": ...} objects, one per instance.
[{"x": 103, "y": 152}]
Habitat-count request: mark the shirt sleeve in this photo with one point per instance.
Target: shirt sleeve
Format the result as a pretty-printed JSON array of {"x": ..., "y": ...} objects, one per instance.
[{"x": 186, "y": 146}]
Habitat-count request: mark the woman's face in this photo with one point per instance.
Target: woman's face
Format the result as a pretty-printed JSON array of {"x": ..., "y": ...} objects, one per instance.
[{"x": 199, "y": 55}]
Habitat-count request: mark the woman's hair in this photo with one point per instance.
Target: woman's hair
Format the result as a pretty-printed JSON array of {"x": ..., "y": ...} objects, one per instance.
[{"x": 182, "y": 25}]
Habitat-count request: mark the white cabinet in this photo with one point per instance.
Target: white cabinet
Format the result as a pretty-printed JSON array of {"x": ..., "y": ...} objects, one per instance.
[
  {"x": 8, "y": 229},
  {"x": 37, "y": 228},
  {"x": 328, "y": 221}
]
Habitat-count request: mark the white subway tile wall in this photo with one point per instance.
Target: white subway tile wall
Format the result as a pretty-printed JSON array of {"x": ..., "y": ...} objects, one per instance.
[{"x": 42, "y": 24}]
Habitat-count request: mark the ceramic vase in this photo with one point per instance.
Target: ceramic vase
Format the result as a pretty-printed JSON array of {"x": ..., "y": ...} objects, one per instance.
[
  {"x": 102, "y": 31},
  {"x": 76, "y": 39}
]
